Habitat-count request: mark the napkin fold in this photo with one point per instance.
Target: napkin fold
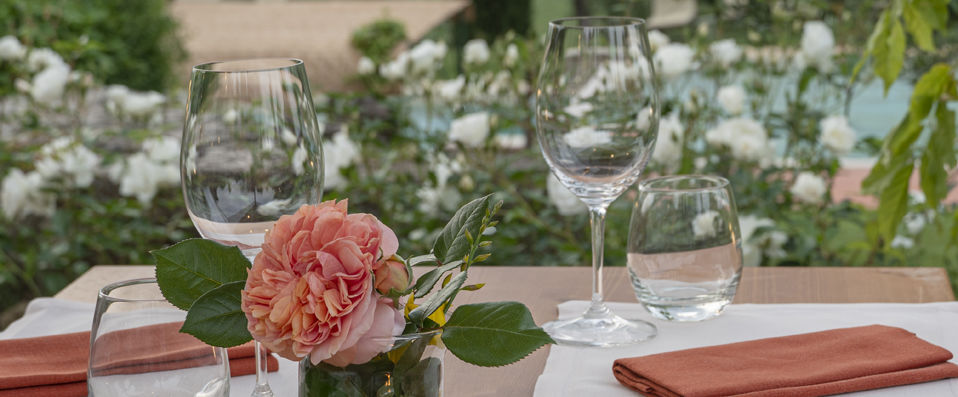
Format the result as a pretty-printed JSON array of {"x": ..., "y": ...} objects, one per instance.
[
  {"x": 56, "y": 365},
  {"x": 814, "y": 364}
]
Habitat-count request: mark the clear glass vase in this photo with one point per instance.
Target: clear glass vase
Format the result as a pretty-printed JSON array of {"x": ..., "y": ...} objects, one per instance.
[{"x": 411, "y": 367}]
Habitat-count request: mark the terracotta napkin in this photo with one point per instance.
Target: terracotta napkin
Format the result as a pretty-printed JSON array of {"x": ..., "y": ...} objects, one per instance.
[
  {"x": 56, "y": 365},
  {"x": 815, "y": 364}
]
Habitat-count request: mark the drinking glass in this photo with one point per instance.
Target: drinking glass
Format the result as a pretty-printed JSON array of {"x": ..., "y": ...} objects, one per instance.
[
  {"x": 251, "y": 153},
  {"x": 685, "y": 249},
  {"x": 136, "y": 348},
  {"x": 597, "y": 117}
]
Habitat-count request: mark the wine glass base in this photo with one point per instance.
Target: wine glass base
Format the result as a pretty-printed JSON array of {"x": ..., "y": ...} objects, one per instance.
[
  {"x": 262, "y": 391},
  {"x": 606, "y": 331}
]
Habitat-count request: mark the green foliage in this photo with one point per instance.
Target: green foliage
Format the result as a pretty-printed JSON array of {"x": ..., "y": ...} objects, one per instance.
[
  {"x": 133, "y": 43},
  {"x": 216, "y": 318},
  {"x": 377, "y": 40},
  {"x": 194, "y": 267},
  {"x": 456, "y": 237},
  {"x": 493, "y": 334}
]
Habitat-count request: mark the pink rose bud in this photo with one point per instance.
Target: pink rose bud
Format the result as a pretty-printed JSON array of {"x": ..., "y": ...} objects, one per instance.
[{"x": 391, "y": 275}]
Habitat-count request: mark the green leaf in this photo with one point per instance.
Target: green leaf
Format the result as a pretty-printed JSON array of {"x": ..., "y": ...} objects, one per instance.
[
  {"x": 928, "y": 90},
  {"x": 426, "y": 282},
  {"x": 919, "y": 28},
  {"x": 422, "y": 260},
  {"x": 879, "y": 35},
  {"x": 939, "y": 156},
  {"x": 216, "y": 317},
  {"x": 493, "y": 334},
  {"x": 191, "y": 268},
  {"x": 452, "y": 243},
  {"x": 893, "y": 200},
  {"x": 890, "y": 53},
  {"x": 446, "y": 294}
]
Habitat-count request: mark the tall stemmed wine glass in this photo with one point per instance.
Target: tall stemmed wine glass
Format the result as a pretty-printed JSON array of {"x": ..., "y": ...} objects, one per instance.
[
  {"x": 597, "y": 117},
  {"x": 251, "y": 153}
]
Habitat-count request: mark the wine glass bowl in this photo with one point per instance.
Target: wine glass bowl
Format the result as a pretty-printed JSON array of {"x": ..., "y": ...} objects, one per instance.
[
  {"x": 251, "y": 152},
  {"x": 597, "y": 117}
]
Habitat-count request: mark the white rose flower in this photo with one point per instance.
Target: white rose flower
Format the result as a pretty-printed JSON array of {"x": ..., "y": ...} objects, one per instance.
[
  {"x": 837, "y": 135},
  {"x": 725, "y": 52},
  {"x": 818, "y": 44},
  {"x": 578, "y": 109},
  {"x": 140, "y": 178},
  {"x": 732, "y": 99},
  {"x": 657, "y": 39},
  {"x": 339, "y": 152},
  {"x": 22, "y": 85},
  {"x": 365, "y": 66},
  {"x": 289, "y": 138},
  {"x": 443, "y": 168},
  {"x": 11, "y": 49},
  {"x": 809, "y": 188},
  {"x": 426, "y": 55},
  {"x": 163, "y": 149},
  {"x": 565, "y": 201},
  {"x": 273, "y": 207},
  {"x": 22, "y": 195},
  {"x": 230, "y": 116},
  {"x": 396, "y": 69},
  {"x": 586, "y": 137},
  {"x": 48, "y": 85},
  {"x": 299, "y": 158},
  {"x": 450, "y": 90},
  {"x": 746, "y": 138},
  {"x": 902, "y": 242},
  {"x": 754, "y": 244},
  {"x": 140, "y": 104},
  {"x": 511, "y": 141},
  {"x": 672, "y": 60},
  {"x": 42, "y": 58},
  {"x": 703, "y": 226},
  {"x": 668, "y": 146},
  {"x": 476, "y": 51},
  {"x": 512, "y": 55},
  {"x": 471, "y": 129},
  {"x": 63, "y": 157},
  {"x": 432, "y": 199}
]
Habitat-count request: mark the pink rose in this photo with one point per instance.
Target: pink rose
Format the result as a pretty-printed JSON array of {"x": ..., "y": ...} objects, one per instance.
[
  {"x": 310, "y": 291},
  {"x": 391, "y": 274}
]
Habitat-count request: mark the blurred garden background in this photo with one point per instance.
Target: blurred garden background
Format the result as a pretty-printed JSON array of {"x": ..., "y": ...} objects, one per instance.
[{"x": 834, "y": 121}]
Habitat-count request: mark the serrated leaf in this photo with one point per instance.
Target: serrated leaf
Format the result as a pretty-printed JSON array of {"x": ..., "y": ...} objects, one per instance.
[
  {"x": 452, "y": 243},
  {"x": 939, "y": 156},
  {"x": 422, "y": 260},
  {"x": 493, "y": 334},
  {"x": 893, "y": 200},
  {"x": 216, "y": 317},
  {"x": 919, "y": 28},
  {"x": 188, "y": 269},
  {"x": 890, "y": 53},
  {"x": 427, "y": 281},
  {"x": 433, "y": 303}
]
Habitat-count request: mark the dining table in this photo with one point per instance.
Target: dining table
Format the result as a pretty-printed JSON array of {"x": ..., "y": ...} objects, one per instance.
[{"x": 543, "y": 288}]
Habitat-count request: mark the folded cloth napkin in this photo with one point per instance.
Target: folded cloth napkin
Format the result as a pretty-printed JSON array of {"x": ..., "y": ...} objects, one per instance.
[
  {"x": 814, "y": 364},
  {"x": 56, "y": 365}
]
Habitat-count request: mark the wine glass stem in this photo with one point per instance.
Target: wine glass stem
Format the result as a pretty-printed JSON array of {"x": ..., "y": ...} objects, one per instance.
[
  {"x": 262, "y": 384},
  {"x": 597, "y": 220}
]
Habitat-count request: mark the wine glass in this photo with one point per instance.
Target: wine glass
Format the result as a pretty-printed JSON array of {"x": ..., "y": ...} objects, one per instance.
[
  {"x": 597, "y": 118},
  {"x": 251, "y": 153},
  {"x": 136, "y": 348},
  {"x": 685, "y": 248}
]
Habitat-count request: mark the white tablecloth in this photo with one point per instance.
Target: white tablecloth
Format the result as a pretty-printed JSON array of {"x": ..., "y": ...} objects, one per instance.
[
  {"x": 50, "y": 316},
  {"x": 577, "y": 371}
]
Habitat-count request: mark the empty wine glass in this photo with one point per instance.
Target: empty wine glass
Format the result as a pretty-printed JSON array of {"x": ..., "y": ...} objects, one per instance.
[
  {"x": 251, "y": 153},
  {"x": 136, "y": 348},
  {"x": 596, "y": 119}
]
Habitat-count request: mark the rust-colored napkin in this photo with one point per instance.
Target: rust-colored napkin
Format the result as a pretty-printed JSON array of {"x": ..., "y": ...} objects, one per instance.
[
  {"x": 56, "y": 365},
  {"x": 815, "y": 364}
]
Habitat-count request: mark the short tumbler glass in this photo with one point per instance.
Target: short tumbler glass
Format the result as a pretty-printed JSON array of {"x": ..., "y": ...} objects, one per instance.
[
  {"x": 685, "y": 251},
  {"x": 136, "y": 348}
]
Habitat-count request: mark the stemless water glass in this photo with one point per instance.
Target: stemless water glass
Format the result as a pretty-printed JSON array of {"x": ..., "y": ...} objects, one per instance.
[
  {"x": 136, "y": 348},
  {"x": 685, "y": 249},
  {"x": 596, "y": 120},
  {"x": 251, "y": 153}
]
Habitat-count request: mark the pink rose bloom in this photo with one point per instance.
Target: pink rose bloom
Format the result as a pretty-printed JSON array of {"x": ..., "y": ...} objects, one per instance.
[{"x": 310, "y": 291}]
